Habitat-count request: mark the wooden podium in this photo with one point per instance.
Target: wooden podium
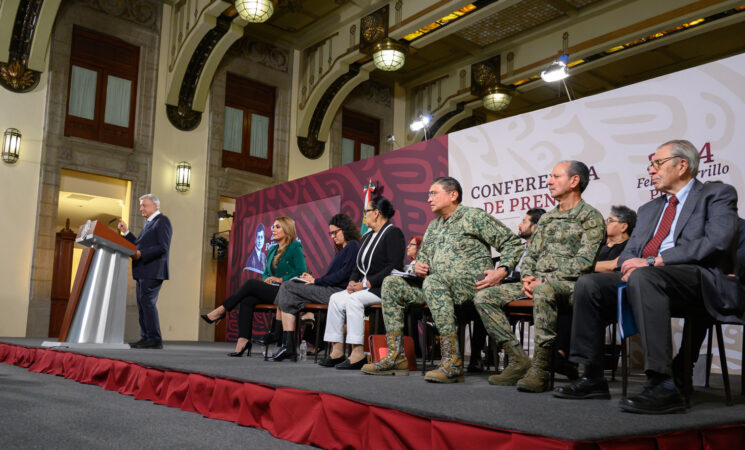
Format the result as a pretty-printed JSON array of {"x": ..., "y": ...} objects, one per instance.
[{"x": 97, "y": 307}]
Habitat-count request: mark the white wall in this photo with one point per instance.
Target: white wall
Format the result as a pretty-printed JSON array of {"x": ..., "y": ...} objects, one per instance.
[{"x": 19, "y": 185}]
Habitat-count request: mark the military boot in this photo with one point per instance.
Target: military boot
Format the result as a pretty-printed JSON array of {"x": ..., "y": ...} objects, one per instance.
[
  {"x": 450, "y": 369},
  {"x": 516, "y": 369},
  {"x": 395, "y": 362},
  {"x": 537, "y": 378}
]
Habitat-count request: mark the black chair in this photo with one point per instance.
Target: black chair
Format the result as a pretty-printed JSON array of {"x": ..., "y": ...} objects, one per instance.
[{"x": 686, "y": 313}]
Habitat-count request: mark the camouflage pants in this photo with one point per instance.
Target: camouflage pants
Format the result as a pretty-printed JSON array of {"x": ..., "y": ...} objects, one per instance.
[
  {"x": 438, "y": 291},
  {"x": 547, "y": 298}
]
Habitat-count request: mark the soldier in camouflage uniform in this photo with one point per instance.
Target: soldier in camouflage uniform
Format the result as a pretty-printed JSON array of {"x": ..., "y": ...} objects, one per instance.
[
  {"x": 564, "y": 246},
  {"x": 455, "y": 252}
]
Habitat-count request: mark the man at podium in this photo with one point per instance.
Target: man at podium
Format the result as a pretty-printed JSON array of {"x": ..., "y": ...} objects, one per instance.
[{"x": 149, "y": 267}]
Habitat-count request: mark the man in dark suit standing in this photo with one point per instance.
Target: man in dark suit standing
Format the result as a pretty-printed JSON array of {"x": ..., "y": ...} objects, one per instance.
[
  {"x": 681, "y": 253},
  {"x": 149, "y": 267}
]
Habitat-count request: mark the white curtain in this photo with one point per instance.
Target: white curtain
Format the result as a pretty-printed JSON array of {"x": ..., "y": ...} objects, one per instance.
[
  {"x": 118, "y": 92},
  {"x": 82, "y": 93},
  {"x": 367, "y": 151},
  {"x": 347, "y": 151},
  {"x": 233, "y": 133},
  {"x": 259, "y": 136}
]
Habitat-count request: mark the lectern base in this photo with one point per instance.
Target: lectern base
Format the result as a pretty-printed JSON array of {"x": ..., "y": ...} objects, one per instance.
[{"x": 85, "y": 346}]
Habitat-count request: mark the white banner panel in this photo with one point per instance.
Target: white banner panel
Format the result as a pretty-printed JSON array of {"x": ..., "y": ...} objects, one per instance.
[{"x": 504, "y": 165}]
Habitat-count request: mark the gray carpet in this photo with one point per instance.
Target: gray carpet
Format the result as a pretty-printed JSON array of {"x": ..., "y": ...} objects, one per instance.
[
  {"x": 44, "y": 411},
  {"x": 474, "y": 401}
]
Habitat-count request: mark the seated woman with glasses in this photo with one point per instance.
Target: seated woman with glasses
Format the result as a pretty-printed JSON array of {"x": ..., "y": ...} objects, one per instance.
[
  {"x": 293, "y": 296},
  {"x": 412, "y": 248},
  {"x": 382, "y": 251},
  {"x": 284, "y": 260},
  {"x": 619, "y": 225}
]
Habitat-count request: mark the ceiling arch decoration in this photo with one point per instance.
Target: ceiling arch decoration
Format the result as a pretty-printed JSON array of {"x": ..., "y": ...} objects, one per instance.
[
  {"x": 202, "y": 36},
  {"x": 25, "y": 28}
]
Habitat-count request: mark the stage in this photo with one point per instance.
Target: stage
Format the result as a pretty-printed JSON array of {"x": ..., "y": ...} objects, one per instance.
[{"x": 305, "y": 403}]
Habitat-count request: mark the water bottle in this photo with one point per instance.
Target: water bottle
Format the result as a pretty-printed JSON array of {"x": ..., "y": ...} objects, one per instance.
[{"x": 303, "y": 350}]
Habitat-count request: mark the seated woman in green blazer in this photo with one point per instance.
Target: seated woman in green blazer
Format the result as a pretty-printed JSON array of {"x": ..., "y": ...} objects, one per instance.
[{"x": 284, "y": 260}]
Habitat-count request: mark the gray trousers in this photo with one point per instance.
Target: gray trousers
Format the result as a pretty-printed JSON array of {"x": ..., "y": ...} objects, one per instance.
[{"x": 294, "y": 295}]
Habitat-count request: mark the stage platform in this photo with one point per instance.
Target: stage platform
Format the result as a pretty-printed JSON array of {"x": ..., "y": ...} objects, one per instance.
[{"x": 303, "y": 402}]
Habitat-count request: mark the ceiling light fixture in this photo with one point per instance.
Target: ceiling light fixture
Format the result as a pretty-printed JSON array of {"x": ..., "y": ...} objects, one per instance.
[
  {"x": 389, "y": 55},
  {"x": 254, "y": 11},
  {"x": 497, "y": 98}
]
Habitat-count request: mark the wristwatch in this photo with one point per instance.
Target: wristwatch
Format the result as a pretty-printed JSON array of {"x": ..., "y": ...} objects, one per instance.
[{"x": 650, "y": 261}]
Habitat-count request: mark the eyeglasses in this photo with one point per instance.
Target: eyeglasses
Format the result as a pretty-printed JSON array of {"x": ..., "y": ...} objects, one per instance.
[
  {"x": 368, "y": 210},
  {"x": 657, "y": 163},
  {"x": 611, "y": 220},
  {"x": 333, "y": 233},
  {"x": 411, "y": 244},
  {"x": 431, "y": 194}
]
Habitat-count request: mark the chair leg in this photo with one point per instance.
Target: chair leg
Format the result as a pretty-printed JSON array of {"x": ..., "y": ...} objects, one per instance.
[
  {"x": 321, "y": 320},
  {"x": 688, "y": 370},
  {"x": 624, "y": 367},
  {"x": 614, "y": 351},
  {"x": 709, "y": 354},
  {"x": 425, "y": 347},
  {"x": 723, "y": 363},
  {"x": 742, "y": 354}
]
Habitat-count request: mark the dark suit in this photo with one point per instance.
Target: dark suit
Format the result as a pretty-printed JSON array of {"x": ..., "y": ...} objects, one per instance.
[
  {"x": 149, "y": 271},
  {"x": 694, "y": 272}
]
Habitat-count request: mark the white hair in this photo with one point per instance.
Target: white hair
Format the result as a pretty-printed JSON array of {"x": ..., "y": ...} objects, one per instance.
[{"x": 153, "y": 198}]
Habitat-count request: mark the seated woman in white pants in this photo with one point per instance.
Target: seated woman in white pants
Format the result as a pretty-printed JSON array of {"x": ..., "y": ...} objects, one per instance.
[{"x": 382, "y": 250}]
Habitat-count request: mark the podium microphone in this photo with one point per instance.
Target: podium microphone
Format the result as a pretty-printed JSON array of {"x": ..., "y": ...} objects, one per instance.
[{"x": 112, "y": 221}]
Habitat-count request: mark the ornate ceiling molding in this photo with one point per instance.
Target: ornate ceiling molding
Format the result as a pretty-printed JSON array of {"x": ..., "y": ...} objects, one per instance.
[
  {"x": 310, "y": 146},
  {"x": 15, "y": 74}
]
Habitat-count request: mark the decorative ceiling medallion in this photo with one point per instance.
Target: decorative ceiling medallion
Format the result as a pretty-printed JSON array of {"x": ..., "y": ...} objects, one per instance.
[{"x": 17, "y": 77}]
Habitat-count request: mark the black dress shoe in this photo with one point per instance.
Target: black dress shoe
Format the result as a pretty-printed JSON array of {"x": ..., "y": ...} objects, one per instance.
[
  {"x": 583, "y": 388},
  {"x": 140, "y": 342},
  {"x": 655, "y": 399},
  {"x": 148, "y": 344},
  {"x": 206, "y": 318},
  {"x": 349, "y": 365},
  {"x": 245, "y": 348},
  {"x": 331, "y": 362},
  {"x": 282, "y": 354}
]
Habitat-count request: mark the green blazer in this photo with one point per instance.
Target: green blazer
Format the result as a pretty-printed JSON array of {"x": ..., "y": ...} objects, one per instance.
[{"x": 291, "y": 263}]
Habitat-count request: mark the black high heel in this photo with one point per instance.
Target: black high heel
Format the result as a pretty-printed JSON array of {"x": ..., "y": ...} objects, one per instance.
[
  {"x": 206, "y": 318},
  {"x": 243, "y": 350}
]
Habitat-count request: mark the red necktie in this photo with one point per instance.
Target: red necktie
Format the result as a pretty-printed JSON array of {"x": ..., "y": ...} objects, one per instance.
[{"x": 653, "y": 246}]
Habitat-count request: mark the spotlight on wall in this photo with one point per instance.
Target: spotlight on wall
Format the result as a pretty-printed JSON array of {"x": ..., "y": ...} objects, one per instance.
[
  {"x": 420, "y": 123},
  {"x": 389, "y": 55},
  {"x": 557, "y": 70},
  {"x": 183, "y": 176},
  {"x": 224, "y": 214},
  {"x": 254, "y": 11},
  {"x": 11, "y": 145}
]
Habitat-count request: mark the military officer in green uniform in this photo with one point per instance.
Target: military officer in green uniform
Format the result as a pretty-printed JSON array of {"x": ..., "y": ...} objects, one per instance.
[
  {"x": 564, "y": 246},
  {"x": 454, "y": 261}
]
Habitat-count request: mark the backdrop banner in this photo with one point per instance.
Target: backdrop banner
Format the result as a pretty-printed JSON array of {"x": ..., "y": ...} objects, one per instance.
[
  {"x": 403, "y": 176},
  {"x": 504, "y": 165}
]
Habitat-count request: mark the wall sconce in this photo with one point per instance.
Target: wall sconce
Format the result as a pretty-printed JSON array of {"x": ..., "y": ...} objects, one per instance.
[
  {"x": 224, "y": 214},
  {"x": 183, "y": 176},
  {"x": 254, "y": 11},
  {"x": 11, "y": 145}
]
